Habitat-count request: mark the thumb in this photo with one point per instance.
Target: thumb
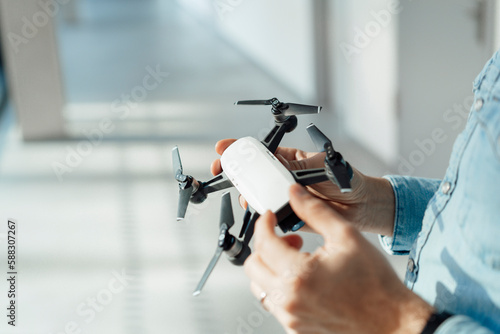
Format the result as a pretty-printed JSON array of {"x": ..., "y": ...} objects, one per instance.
[{"x": 318, "y": 215}]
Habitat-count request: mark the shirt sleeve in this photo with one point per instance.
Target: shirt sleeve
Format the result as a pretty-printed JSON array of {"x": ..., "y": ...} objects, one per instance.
[
  {"x": 461, "y": 324},
  {"x": 412, "y": 194}
]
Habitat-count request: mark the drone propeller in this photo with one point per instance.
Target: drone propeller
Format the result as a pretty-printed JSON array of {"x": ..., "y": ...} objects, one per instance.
[
  {"x": 255, "y": 102},
  {"x": 177, "y": 164},
  {"x": 186, "y": 182},
  {"x": 184, "y": 197},
  {"x": 319, "y": 139},
  {"x": 225, "y": 238},
  {"x": 286, "y": 109},
  {"x": 237, "y": 251},
  {"x": 341, "y": 172}
]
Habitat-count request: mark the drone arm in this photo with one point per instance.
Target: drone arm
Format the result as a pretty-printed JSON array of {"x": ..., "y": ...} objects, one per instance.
[
  {"x": 283, "y": 125},
  {"x": 247, "y": 229},
  {"x": 217, "y": 183},
  {"x": 310, "y": 176},
  {"x": 274, "y": 137}
]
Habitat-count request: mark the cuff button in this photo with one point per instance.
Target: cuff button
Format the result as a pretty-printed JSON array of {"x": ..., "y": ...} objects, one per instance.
[
  {"x": 411, "y": 265},
  {"x": 478, "y": 104},
  {"x": 445, "y": 188}
]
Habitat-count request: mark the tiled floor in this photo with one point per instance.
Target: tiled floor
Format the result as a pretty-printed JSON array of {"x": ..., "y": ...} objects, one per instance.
[{"x": 115, "y": 209}]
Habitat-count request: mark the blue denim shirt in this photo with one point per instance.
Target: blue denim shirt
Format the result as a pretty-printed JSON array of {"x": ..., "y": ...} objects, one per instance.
[{"x": 451, "y": 228}]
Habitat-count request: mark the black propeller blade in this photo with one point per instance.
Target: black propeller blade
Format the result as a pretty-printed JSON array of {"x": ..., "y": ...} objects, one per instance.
[
  {"x": 301, "y": 109},
  {"x": 319, "y": 139},
  {"x": 339, "y": 170},
  {"x": 184, "y": 197},
  {"x": 255, "y": 102},
  {"x": 185, "y": 184},
  {"x": 226, "y": 240},
  {"x": 226, "y": 212},
  {"x": 208, "y": 271},
  {"x": 177, "y": 164},
  {"x": 286, "y": 109},
  {"x": 236, "y": 250}
]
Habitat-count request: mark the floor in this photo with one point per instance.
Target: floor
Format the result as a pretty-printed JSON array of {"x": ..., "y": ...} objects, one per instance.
[{"x": 99, "y": 248}]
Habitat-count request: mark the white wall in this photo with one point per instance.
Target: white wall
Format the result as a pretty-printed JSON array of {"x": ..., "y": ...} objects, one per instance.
[
  {"x": 363, "y": 48},
  {"x": 202, "y": 8},
  {"x": 278, "y": 35},
  {"x": 32, "y": 68},
  {"x": 438, "y": 62}
]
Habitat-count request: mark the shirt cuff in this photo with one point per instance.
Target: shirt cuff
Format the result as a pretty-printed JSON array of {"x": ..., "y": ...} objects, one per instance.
[
  {"x": 411, "y": 195},
  {"x": 461, "y": 324}
]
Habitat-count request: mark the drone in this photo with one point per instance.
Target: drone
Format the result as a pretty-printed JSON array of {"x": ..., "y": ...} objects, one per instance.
[{"x": 251, "y": 167}]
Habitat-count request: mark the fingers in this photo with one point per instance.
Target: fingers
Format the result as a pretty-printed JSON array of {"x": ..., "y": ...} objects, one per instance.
[
  {"x": 274, "y": 251},
  {"x": 293, "y": 164},
  {"x": 216, "y": 167},
  {"x": 293, "y": 240},
  {"x": 283, "y": 161},
  {"x": 318, "y": 215},
  {"x": 264, "y": 296},
  {"x": 272, "y": 302},
  {"x": 259, "y": 273},
  {"x": 221, "y": 145},
  {"x": 287, "y": 153},
  {"x": 300, "y": 159},
  {"x": 256, "y": 290},
  {"x": 243, "y": 202}
]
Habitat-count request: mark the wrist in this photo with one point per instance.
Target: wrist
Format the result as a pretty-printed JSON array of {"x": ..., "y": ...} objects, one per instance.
[
  {"x": 414, "y": 316},
  {"x": 434, "y": 321},
  {"x": 379, "y": 206}
]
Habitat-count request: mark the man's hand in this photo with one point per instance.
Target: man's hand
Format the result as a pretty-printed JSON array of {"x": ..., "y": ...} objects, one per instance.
[
  {"x": 346, "y": 286},
  {"x": 370, "y": 205}
]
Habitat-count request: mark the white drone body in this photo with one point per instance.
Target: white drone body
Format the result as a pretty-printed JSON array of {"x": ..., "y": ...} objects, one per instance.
[{"x": 257, "y": 175}]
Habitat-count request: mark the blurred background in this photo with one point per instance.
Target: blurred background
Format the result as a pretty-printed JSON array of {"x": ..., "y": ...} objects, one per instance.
[{"x": 94, "y": 94}]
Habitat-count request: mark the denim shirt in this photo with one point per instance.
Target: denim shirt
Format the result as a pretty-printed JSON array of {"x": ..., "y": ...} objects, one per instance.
[{"x": 451, "y": 228}]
